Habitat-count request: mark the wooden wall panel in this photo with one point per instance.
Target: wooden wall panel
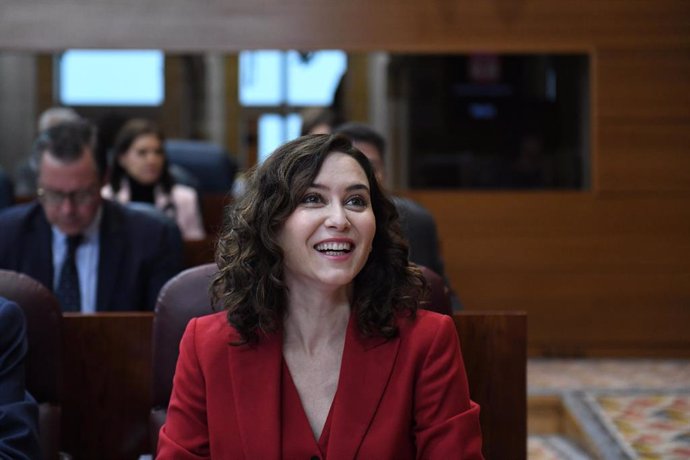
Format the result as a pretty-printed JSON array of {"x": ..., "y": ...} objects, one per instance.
[
  {"x": 596, "y": 274},
  {"x": 644, "y": 156},
  {"x": 187, "y": 25},
  {"x": 643, "y": 104},
  {"x": 649, "y": 85},
  {"x": 539, "y": 214},
  {"x": 575, "y": 314}
]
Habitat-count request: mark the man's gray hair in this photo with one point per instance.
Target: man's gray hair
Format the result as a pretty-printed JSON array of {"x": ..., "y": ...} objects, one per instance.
[{"x": 56, "y": 115}]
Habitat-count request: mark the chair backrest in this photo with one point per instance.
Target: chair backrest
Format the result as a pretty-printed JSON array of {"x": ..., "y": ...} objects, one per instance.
[
  {"x": 44, "y": 357},
  {"x": 182, "y": 298},
  {"x": 160, "y": 216},
  {"x": 181, "y": 176},
  {"x": 439, "y": 294},
  {"x": 209, "y": 163}
]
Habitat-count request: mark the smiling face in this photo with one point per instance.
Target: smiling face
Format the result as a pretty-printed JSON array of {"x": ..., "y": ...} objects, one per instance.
[
  {"x": 328, "y": 237},
  {"x": 144, "y": 159}
]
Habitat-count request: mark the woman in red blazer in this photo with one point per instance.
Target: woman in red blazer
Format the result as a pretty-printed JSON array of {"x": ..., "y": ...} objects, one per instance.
[{"x": 320, "y": 352}]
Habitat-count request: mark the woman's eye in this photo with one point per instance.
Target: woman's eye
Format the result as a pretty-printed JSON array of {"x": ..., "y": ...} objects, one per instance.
[
  {"x": 357, "y": 201},
  {"x": 311, "y": 198}
]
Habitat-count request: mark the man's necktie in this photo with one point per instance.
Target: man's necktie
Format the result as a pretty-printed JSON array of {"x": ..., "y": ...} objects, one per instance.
[{"x": 68, "y": 286}]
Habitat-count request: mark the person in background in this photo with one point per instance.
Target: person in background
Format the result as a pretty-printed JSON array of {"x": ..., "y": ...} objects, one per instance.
[
  {"x": 417, "y": 223},
  {"x": 139, "y": 173},
  {"x": 321, "y": 351},
  {"x": 107, "y": 127},
  {"x": 317, "y": 120},
  {"x": 53, "y": 116},
  {"x": 26, "y": 172},
  {"x": 18, "y": 410},
  {"x": 96, "y": 255}
]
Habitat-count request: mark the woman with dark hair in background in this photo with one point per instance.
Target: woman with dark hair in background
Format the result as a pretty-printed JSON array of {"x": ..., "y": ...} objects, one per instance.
[
  {"x": 139, "y": 173},
  {"x": 321, "y": 351}
]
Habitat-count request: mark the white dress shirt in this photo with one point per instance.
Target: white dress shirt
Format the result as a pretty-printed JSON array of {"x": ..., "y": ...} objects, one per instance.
[{"x": 86, "y": 258}]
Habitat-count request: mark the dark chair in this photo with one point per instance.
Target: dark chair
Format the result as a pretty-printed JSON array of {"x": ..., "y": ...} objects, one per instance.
[
  {"x": 43, "y": 360},
  {"x": 211, "y": 164},
  {"x": 186, "y": 296},
  {"x": 181, "y": 176},
  {"x": 152, "y": 211},
  {"x": 439, "y": 293}
]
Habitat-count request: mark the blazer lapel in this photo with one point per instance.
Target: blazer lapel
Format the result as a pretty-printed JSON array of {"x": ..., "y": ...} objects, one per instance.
[
  {"x": 364, "y": 373},
  {"x": 256, "y": 387},
  {"x": 111, "y": 253},
  {"x": 38, "y": 259}
]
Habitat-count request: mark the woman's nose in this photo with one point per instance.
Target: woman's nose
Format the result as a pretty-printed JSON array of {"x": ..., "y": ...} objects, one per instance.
[{"x": 337, "y": 218}]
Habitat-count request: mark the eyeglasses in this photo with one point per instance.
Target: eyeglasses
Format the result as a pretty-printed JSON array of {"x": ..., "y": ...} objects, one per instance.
[{"x": 78, "y": 197}]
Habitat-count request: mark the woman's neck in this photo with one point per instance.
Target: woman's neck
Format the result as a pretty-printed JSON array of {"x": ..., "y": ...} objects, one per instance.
[{"x": 316, "y": 320}]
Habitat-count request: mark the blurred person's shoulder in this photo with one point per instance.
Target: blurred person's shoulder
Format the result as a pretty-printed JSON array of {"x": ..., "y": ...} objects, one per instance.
[
  {"x": 16, "y": 217},
  {"x": 411, "y": 209},
  {"x": 10, "y": 313},
  {"x": 141, "y": 216},
  {"x": 182, "y": 192}
]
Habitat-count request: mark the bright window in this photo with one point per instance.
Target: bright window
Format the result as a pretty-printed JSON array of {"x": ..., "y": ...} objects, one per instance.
[
  {"x": 112, "y": 77},
  {"x": 278, "y": 84},
  {"x": 275, "y": 129},
  {"x": 271, "y": 78}
]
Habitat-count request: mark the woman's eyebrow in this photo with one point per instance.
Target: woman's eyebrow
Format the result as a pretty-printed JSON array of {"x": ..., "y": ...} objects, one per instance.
[{"x": 349, "y": 188}]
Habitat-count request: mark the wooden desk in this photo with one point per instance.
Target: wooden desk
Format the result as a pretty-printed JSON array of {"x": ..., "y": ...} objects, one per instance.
[
  {"x": 494, "y": 348},
  {"x": 106, "y": 385}
]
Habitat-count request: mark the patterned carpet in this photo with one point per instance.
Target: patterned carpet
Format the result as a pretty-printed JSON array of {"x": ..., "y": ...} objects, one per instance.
[
  {"x": 553, "y": 447},
  {"x": 629, "y": 409},
  {"x": 640, "y": 424},
  {"x": 558, "y": 375}
]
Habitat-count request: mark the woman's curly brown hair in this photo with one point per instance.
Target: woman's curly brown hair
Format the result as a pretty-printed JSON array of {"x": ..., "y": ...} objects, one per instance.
[{"x": 250, "y": 283}]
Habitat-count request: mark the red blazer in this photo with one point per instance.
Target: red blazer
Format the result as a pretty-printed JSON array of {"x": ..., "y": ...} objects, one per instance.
[{"x": 398, "y": 399}]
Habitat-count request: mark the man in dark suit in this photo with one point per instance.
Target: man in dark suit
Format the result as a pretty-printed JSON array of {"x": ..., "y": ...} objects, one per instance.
[
  {"x": 18, "y": 410},
  {"x": 96, "y": 255}
]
